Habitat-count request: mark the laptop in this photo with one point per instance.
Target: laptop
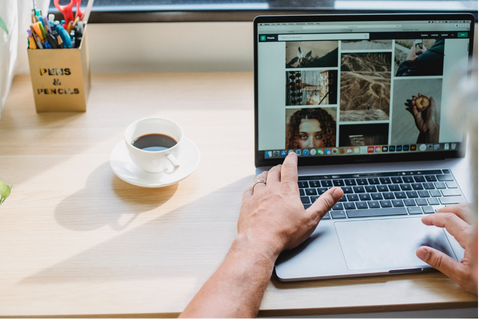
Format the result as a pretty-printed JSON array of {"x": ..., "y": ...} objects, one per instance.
[{"x": 363, "y": 101}]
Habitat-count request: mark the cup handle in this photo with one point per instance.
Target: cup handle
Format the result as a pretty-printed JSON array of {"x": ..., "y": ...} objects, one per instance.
[{"x": 174, "y": 163}]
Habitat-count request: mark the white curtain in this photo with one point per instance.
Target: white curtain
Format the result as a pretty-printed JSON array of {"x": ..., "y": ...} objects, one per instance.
[{"x": 13, "y": 45}]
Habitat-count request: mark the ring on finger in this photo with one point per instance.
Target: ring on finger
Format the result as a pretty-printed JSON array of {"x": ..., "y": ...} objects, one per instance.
[{"x": 258, "y": 181}]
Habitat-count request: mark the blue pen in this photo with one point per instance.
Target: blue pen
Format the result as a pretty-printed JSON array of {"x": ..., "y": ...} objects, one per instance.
[{"x": 67, "y": 42}]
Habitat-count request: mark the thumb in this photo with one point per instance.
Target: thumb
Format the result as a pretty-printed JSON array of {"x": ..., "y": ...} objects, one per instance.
[
  {"x": 438, "y": 260},
  {"x": 325, "y": 202}
]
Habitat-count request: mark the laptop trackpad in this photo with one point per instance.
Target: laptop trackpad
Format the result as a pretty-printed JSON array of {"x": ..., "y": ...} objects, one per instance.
[{"x": 388, "y": 243}]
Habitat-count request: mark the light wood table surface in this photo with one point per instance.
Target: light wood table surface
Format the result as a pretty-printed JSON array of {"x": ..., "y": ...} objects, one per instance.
[{"x": 75, "y": 240}]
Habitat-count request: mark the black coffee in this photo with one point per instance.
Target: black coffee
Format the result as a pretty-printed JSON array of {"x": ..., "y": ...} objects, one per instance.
[{"x": 154, "y": 142}]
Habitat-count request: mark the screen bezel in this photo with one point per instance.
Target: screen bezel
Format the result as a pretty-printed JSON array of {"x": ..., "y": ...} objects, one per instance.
[{"x": 260, "y": 159}]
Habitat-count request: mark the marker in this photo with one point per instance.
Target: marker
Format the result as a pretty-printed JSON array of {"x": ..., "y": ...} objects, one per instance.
[
  {"x": 36, "y": 30},
  {"x": 37, "y": 40},
  {"x": 64, "y": 35},
  {"x": 31, "y": 41},
  {"x": 42, "y": 29}
]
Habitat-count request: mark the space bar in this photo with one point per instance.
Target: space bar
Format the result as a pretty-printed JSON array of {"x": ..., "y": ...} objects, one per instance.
[{"x": 358, "y": 213}]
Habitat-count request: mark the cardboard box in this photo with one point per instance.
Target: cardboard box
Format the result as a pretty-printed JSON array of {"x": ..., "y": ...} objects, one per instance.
[{"x": 61, "y": 78}]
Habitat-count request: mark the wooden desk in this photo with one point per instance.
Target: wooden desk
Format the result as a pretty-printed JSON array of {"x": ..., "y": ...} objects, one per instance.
[{"x": 77, "y": 240}]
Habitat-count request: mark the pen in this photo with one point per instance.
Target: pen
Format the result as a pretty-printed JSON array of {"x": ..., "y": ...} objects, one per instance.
[
  {"x": 73, "y": 38},
  {"x": 70, "y": 26},
  {"x": 46, "y": 24},
  {"x": 60, "y": 42},
  {"x": 34, "y": 12},
  {"x": 47, "y": 45},
  {"x": 51, "y": 34},
  {"x": 47, "y": 33},
  {"x": 80, "y": 26}
]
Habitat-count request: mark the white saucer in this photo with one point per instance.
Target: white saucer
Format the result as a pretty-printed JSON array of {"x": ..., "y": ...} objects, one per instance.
[{"x": 123, "y": 167}]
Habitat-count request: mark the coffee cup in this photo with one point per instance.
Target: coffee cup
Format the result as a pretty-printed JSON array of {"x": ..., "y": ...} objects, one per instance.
[{"x": 153, "y": 144}]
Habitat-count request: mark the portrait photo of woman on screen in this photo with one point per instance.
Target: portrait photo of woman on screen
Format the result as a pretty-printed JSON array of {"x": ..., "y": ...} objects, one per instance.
[{"x": 310, "y": 128}]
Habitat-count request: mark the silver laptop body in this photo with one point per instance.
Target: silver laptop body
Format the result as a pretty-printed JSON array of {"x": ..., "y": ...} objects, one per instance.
[{"x": 338, "y": 91}]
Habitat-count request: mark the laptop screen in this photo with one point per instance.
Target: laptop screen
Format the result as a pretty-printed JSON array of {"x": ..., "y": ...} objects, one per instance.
[{"x": 357, "y": 86}]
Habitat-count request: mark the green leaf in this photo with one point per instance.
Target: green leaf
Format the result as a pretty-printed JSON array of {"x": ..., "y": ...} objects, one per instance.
[
  {"x": 4, "y": 27},
  {"x": 5, "y": 191}
]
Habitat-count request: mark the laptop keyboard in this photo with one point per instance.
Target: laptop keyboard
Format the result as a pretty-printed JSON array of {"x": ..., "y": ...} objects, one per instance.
[{"x": 384, "y": 194}]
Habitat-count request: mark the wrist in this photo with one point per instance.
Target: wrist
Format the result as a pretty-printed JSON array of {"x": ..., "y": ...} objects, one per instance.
[
  {"x": 259, "y": 248},
  {"x": 432, "y": 133}
]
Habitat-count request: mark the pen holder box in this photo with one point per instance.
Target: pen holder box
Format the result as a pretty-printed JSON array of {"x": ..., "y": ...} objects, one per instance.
[{"x": 60, "y": 78}]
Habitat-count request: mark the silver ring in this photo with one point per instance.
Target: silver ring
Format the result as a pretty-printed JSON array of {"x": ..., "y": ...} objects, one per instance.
[{"x": 258, "y": 181}]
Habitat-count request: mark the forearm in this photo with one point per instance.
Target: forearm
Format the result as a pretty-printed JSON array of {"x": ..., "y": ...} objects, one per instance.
[
  {"x": 431, "y": 135},
  {"x": 237, "y": 287}
]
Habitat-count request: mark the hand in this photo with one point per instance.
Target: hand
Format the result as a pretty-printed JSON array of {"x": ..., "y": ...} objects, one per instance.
[
  {"x": 426, "y": 120},
  {"x": 455, "y": 219},
  {"x": 272, "y": 216},
  {"x": 414, "y": 53}
]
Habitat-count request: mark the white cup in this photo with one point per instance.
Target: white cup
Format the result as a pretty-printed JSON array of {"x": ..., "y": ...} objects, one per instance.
[{"x": 164, "y": 161}]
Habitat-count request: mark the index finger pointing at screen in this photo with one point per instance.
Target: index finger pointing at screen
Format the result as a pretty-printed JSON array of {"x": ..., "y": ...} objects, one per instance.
[{"x": 289, "y": 169}]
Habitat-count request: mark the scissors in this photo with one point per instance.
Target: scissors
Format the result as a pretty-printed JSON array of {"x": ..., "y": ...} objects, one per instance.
[{"x": 67, "y": 11}]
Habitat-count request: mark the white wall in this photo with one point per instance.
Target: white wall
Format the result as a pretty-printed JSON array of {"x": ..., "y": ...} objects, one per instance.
[{"x": 166, "y": 47}]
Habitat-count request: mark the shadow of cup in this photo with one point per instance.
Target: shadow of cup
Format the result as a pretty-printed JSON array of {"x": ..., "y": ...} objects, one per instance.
[{"x": 83, "y": 212}]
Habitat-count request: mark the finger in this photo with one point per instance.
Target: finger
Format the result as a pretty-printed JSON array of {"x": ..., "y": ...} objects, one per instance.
[
  {"x": 438, "y": 260},
  {"x": 432, "y": 102},
  {"x": 455, "y": 226},
  {"x": 416, "y": 113},
  {"x": 289, "y": 169},
  {"x": 325, "y": 202},
  {"x": 273, "y": 175},
  {"x": 462, "y": 210},
  {"x": 414, "y": 101}
]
